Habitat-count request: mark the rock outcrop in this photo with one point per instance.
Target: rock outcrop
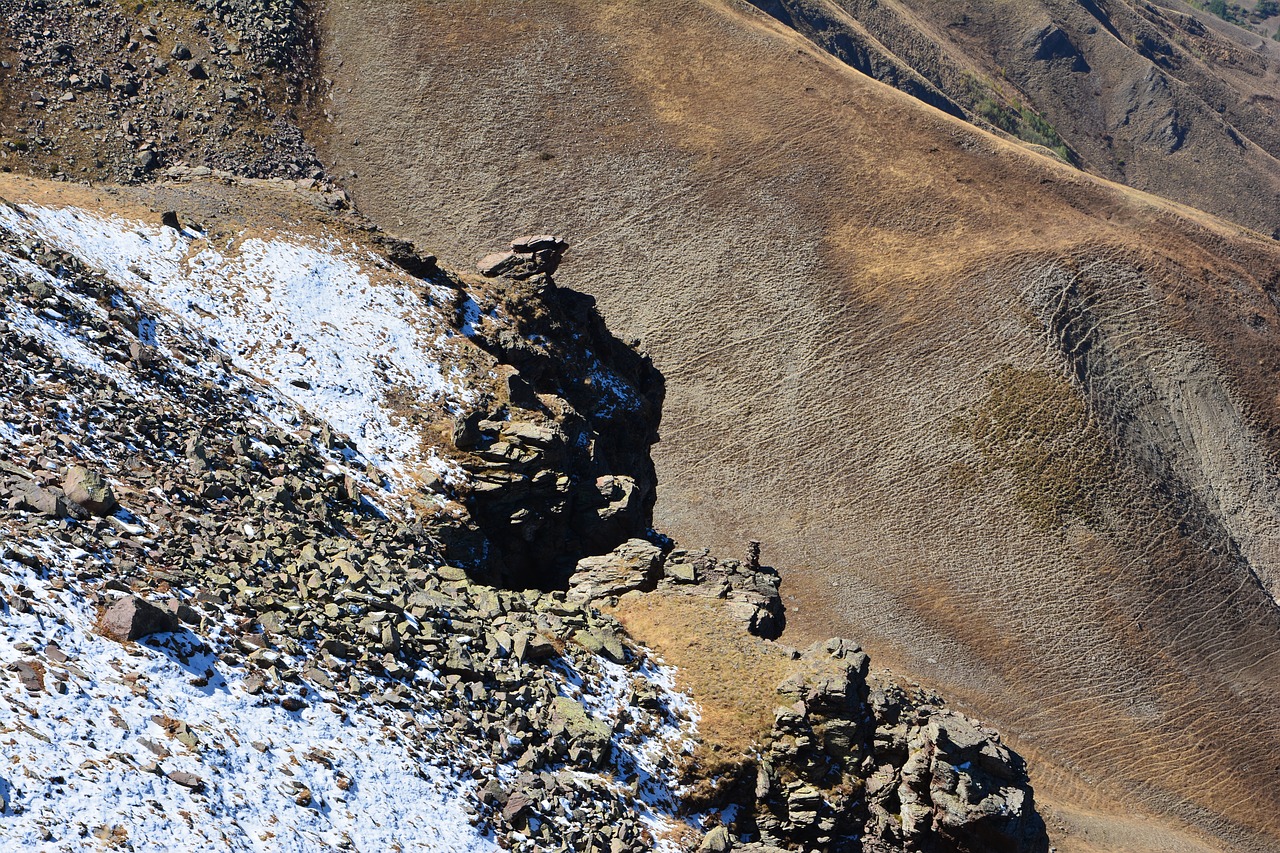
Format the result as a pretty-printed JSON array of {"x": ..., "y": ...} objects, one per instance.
[
  {"x": 856, "y": 762},
  {"x": 319, "y": 580},
  {"x": 560, "y": 465}
]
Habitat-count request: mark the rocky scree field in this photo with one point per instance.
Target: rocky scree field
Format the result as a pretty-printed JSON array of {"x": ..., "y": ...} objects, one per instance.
[
  {"x": 116, "y": 91},
  {"x": 258, "y": 593}
]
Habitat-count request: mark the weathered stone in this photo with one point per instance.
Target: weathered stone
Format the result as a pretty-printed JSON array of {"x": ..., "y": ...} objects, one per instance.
[
  {"x": 717, "y": 840},
  {"x": 90, "y": 490},
  {"x": 681, "y": 572},
  {"x": 632, "y": 565},
  {"x": 132, "y": 618},
  {"x": 30, "y": 673},
  {"x": 533, "y": 648},
  {"x": 539, "y": 243},
  {"x": 619, "y": 492},
  {"x": 590, "y": 735},
  {"x": 190, "y": 781},
  {"x": 498, "y": 263},
  {"x": 517, "y": 804},
  {"x": 28, "y": 495}
]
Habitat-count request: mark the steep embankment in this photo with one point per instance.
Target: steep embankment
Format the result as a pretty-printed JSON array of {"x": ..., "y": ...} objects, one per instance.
[{"x": 1010, "y": 426}]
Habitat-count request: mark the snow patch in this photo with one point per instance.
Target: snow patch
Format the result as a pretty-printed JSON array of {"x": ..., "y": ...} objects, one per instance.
[
  {"x": 92, "y": 755},
  {"x": 303, "y": 315}
]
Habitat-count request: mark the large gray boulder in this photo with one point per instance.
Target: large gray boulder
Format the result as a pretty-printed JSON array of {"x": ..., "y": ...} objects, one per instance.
[
  {"x": 90, "y": 490},
  {"x": 633, "y": 565}
]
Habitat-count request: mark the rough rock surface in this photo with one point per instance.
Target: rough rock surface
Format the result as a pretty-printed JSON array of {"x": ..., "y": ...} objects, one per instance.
[
  {"x": 88, "y": 489},
  {"x": 560, "y": 467},
  {"x": 117, "y": 91},
  {"x": 633, "y": 565},
  {"x": 132, "y": 618}
]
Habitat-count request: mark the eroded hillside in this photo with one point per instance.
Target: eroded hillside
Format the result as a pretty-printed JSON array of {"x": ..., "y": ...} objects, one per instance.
[
  {"x": 1009, "y": 426},
  {"x": 308, "y": 542},
  {"x": 1165, "y": 97},
  {"x": 1013, "y": 426}
]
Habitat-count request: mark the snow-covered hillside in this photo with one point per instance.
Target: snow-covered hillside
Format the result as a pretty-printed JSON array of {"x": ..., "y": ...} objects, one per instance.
[
  {"x": 159, "y": 746},
  {"x": 323, "y": 682},
  {"x": 358, "y": 343}
]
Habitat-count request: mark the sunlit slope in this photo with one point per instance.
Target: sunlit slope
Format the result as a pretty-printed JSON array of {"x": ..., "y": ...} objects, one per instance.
[
  {"x": 1009, "y": 426},
  {"x": 1161, "y": 96}
]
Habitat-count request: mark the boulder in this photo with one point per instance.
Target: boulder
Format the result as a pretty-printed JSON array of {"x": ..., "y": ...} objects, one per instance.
[
  {"x": 28, "y": 495},
  {"x": 635, "y": 564},
  {"x": 590, "y": 738},
  {"x": 90, "y": 490},
  {"x": 190, "y": 781},
  {"x": 132, "y": 618},
  {"x": 717, "y": 840},
  {"x": 30, "y": 673}
]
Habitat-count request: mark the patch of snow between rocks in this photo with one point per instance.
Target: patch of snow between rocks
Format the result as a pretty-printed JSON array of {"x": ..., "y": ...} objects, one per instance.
[
  {"x": 86, "y": 756},
  {"x": 304, "y": 315}
]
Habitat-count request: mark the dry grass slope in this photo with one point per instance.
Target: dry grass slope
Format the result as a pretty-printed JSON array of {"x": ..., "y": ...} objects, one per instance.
[{"x": 827, "y": 273}]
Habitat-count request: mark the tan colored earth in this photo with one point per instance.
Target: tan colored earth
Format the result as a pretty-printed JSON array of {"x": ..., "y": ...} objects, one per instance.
[{"x": 1011, "y": 427}]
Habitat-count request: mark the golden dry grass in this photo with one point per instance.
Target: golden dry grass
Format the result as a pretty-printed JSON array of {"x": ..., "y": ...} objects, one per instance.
[{"x": 731, "y": 674}]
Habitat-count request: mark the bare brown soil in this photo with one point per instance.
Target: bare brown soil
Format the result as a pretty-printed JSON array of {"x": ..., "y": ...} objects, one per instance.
[
  {"x": 830, "y": 275},
  {"x": 735, "y": 682}
]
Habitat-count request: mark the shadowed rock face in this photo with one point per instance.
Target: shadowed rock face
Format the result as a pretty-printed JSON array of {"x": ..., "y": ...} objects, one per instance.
[{"x": 1011, "y": 427}]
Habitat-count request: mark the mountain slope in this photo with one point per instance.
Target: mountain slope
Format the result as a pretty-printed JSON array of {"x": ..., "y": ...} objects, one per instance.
[
  {"x": 300, "y": 679},
  {"x": 231, "y": 623},
  {"x": 1162, "y": 97},
  {"x": 1012, "y": 426}
]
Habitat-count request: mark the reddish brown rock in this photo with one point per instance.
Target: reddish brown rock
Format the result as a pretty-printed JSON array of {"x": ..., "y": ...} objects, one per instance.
[{"x": 132, "y": 618}]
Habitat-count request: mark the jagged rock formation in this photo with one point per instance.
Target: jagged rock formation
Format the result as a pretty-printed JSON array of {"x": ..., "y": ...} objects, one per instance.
[
  {"x": 940, "y": 781},
  {"x": 851, "y": 762},
  {"x": 156, "y": 492},
  {"x": 561, "y": 468}
]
